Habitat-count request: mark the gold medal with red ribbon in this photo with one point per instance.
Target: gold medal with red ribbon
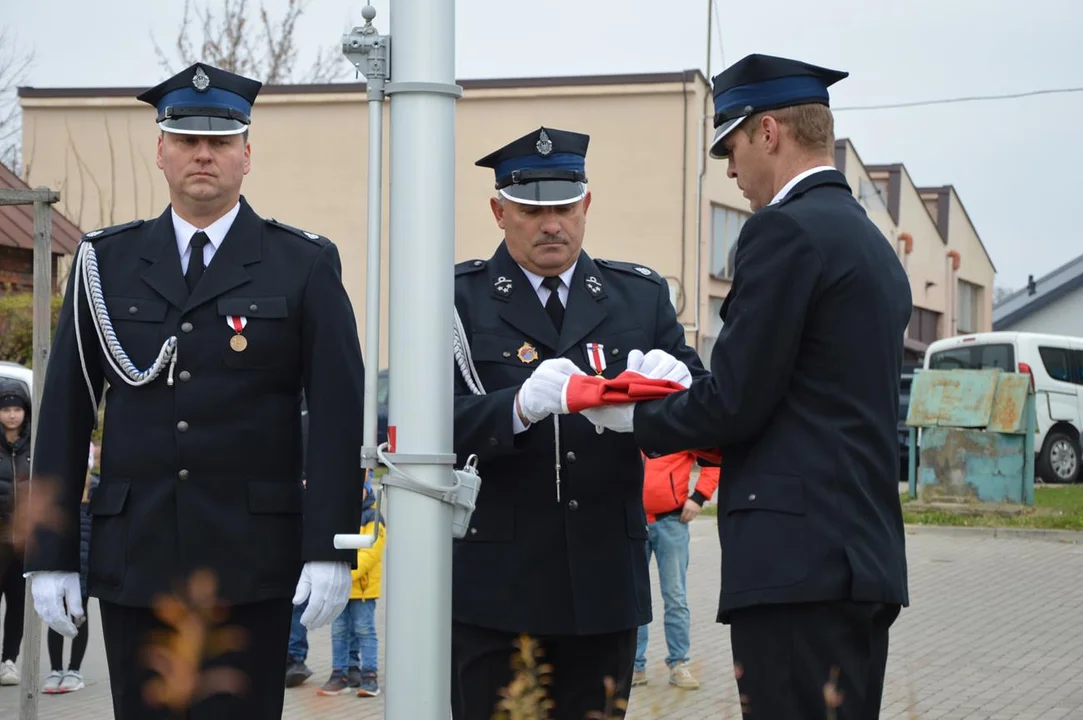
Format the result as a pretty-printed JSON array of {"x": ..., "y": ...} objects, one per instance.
[{"x": 238, "y": 342}]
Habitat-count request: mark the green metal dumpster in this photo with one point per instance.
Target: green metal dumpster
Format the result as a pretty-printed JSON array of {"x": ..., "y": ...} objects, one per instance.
[{"x": 975, "y": 433}]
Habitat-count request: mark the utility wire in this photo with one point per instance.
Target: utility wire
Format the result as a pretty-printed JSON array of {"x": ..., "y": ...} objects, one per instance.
[
  {"x": 945, "y": 101},
  {"x": 718, "y": 32},
  {"x": 915, "y": 103}
]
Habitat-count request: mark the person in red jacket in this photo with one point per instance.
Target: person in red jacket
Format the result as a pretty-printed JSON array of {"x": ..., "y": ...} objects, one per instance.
[{"x": 670, "y": 507}]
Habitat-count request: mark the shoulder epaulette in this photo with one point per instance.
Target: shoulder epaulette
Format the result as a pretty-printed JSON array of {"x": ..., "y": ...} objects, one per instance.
[
  {"x": 469, "y": 266},
  {"x": 631, "y": 268},
  {"x": 310, "y": 236},
  {"x": 95, "y": 235}
]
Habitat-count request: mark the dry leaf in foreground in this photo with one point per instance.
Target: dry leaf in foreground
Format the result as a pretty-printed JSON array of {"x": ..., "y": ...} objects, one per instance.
[{"x": 192, "y": 635}]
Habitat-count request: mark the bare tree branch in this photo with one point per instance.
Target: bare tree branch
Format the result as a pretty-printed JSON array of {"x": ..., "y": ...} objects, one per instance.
[
  {"x": 28, "y": 158},
  {"x": 250, "y": 42},
  {"x": 14, "y": 67},
  {"x": 131, "y": 162},
  {"x": 112, "y": 175},
  {"x": 84, "y": 173}
]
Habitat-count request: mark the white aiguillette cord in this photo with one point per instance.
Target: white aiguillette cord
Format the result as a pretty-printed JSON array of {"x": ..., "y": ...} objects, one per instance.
[
  {"x": 86, "y": 271},
  {"x": 465, "y": 361}
]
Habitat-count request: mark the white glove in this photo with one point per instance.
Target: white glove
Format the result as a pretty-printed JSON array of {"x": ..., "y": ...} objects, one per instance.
[
  {"x": 659, "y": 365},
  {"x": 543, "y": 392},
  {"x": 51, "y": 592},
  {"x": 617, "y": 418},
  {"x": 326, "y": 585}
]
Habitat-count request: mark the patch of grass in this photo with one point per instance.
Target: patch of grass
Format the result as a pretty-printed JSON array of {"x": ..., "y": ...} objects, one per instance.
[{"x": 1055, "y": 508}]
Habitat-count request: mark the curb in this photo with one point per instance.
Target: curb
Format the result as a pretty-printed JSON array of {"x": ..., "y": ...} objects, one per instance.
[{"x": 1069, "y": 537}]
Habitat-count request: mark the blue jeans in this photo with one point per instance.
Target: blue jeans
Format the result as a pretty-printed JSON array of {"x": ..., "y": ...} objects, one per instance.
[
  {"x": 353, "y": 638},
  {"x": 298, "y": 648},
  {"x": 668, "y": 540}
]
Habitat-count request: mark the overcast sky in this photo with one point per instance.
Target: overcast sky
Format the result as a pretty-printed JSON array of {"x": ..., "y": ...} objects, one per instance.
[{"x": 1014, "y": 162}]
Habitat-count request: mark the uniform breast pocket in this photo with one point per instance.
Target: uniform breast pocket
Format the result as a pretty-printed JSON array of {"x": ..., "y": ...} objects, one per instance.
[
  {"x": 260, "y": 332},
  {"x": 607, "y": 354},
  {"x": 503, "y": 361},
  {"x": 139, "y": 324}
]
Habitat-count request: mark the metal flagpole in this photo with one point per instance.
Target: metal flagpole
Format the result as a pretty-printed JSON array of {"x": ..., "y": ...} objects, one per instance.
[
  {"x": 427, "y": 502},
  {"x": 422, "y": 260},
  {"x": 369, "y": 52}
]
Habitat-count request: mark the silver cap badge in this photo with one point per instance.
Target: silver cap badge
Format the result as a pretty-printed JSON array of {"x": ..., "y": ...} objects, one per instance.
[
  {"x": 200, "y": 81},
  {"x": 544, "y": 144}
]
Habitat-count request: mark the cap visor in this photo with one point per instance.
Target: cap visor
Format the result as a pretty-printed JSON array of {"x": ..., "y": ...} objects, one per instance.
[
  {"x": 718, "y": 149},
  {"x": 545, "y": 192},
  {"x": 203, "y": 125}
]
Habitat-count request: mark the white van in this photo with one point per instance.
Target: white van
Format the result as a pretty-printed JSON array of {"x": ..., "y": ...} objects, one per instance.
[
  {"x": 14, "y": 371},
  {"x": 1055, "y": 365}
]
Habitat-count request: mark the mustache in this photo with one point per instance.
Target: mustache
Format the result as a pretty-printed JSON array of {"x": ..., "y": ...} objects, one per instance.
[{"x": 550, "y": 239}]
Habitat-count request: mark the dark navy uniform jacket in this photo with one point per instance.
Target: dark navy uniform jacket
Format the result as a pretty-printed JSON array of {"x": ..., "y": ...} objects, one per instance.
[
  {"x": 803, "y": 400},
  {"x": 529, "y": 563},
  {"x": 206, "y": 473}
]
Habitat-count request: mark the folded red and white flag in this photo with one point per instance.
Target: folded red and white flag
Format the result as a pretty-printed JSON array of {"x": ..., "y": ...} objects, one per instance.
[{"x": 589, "y": 391}]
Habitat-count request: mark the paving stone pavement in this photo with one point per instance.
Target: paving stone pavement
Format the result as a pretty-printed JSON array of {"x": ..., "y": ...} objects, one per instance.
[{"x": 994, "y": 632}]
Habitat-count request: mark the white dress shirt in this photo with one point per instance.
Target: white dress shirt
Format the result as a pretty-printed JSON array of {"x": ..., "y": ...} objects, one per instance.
[
  {"x": 216, "y": 231},
  {"x": 543, "y": 292},
  {"x": 543, "y": 295},
  {"x": 798, "y": 178}
]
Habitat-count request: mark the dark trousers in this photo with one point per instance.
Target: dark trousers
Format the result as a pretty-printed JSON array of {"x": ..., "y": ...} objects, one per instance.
[
  {"x": 482, "y": 664},
  {"x": 55, "y": 644},
  {"x": 784, "y": 655},
  {"x": 236, "y": 685},
  {"x": 13, "y": 589}
]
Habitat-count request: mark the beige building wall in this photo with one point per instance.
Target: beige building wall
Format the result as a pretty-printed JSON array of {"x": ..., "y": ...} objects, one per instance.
[
  {"x": 309, "y": 166},
  {"x": 865, "y": 188},
  {"x": 925, "y": 262},
  {"x": 656, "y": 196},
  {"x": 976, "y": 268}
]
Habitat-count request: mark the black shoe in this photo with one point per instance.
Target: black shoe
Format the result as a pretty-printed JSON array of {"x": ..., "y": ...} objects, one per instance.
[
  {"x": 296, "y": 673},
  {"x": 369, "y": 686},
  {"x": 354, "y": 676},
  {"x": 335, "y": 685}
]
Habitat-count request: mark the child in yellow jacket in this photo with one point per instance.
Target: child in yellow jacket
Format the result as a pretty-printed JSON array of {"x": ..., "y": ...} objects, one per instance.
[{"x": 354, "y": 644}]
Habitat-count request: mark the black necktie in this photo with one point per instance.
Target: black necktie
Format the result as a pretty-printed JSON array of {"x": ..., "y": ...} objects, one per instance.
[
  {"x": 553, "y": 305},
  {"x": 195, "y": 260}
]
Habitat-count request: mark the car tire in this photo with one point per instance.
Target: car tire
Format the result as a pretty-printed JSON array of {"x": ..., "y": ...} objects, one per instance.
[{"x": 1059, "y": 460}]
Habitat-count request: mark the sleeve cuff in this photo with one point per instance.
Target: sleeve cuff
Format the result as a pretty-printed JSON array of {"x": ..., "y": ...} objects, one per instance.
[{"x": 517, "y": 425}]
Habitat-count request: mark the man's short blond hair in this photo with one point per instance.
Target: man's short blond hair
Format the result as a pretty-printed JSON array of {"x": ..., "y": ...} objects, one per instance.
[{"x": 811, "y": 125}]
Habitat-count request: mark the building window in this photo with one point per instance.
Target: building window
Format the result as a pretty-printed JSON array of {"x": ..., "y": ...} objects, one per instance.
[
  {"x": 726, "y": 225},
  {"x": 712, "y": 328},
  {"x": 967, "y": 304},
  {"x": 870, "y": 195},
  {"x": 923, "y": 325}
]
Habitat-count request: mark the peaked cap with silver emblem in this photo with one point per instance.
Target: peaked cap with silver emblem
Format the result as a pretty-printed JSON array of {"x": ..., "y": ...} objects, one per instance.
[
  {"x": 203, "y": 100},
  {"x": 543, "y": 167},
  {"x": 756, "y": 83}
]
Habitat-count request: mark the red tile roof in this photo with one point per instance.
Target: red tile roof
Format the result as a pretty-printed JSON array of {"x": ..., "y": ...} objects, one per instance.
[{"x": 17, "y": 222}]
